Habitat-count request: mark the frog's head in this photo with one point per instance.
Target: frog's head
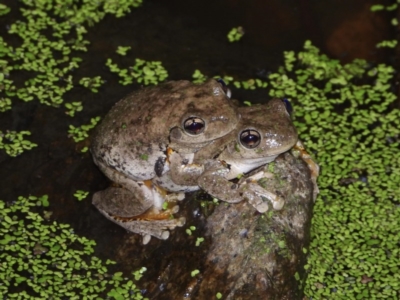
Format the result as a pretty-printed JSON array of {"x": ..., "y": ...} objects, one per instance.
[
  {"x": 265, "y": 131},
  {"x": 209, "y": 115}
]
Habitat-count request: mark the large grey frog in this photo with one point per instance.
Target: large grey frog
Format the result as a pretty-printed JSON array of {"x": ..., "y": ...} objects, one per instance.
[
  {"x": 264, "y": 132},
  {"x": 129, "y": 146}
]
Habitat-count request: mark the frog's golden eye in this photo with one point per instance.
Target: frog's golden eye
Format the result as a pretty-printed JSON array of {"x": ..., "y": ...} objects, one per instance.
[
  {"x": 194, "y": 125},
  {"x": 250, "y": 138}
]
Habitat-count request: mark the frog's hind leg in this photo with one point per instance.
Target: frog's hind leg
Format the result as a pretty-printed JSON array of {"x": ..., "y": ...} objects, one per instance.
[
  {"x": 128, "y": 210},
  {"x": 299, "y": 150},
  {"x": 118, "y": 201},
  {"x": 148, "y": 228}
]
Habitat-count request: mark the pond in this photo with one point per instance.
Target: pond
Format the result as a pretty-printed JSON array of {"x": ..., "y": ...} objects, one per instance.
[{"x": 185, "y": 36}]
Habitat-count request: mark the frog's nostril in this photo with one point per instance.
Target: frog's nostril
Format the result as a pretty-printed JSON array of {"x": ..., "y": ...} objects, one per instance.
[
  {"x": 250, "y": 138},
  {"x": 194, "y": 125}
]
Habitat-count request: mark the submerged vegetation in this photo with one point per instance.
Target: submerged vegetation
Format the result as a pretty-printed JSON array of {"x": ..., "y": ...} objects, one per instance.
[{"x": 344, "y": 114}]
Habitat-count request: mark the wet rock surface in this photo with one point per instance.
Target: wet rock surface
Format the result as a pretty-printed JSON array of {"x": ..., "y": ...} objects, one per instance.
[
  {"x": 245, "y": 255},
  {"x": 254, "y": 256}
]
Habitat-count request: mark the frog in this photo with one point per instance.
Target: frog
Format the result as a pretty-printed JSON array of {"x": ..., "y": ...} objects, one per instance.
[
  {"x": 264, "y": 132},
  {"x": 129, "y": 146}
]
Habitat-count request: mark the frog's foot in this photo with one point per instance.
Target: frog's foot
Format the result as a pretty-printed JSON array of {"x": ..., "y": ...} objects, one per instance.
[
  {"x": 157, "y": 228},
  {"x": 256, "y": 201},
  {"x": 149, "y": 224},
  {"x": 172, "y": 197},
  {"x": 256, "y": 177},
  {"x": 254, "y": 193},
  {"x": 132, "y": 213},
  {"x": 300, "y": 151}
]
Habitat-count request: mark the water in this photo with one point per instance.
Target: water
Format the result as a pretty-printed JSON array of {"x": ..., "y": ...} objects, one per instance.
[{"x": 184, "y": 35}]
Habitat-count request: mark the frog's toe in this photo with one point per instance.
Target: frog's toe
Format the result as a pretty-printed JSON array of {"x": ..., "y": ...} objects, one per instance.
[
  {"x": 175, "y": 197},
  {"x": 146, "y": 239},
  {"x": 181, "y": 221},
  {"x": 165, "y": 235},
  {"x": 262, "y": 208},
  {"x": 257, "y": 202},
  {"x": 174, "y": 209},
  {"x": 160, "y": 229},
  {"x": 278, "y": 203}
]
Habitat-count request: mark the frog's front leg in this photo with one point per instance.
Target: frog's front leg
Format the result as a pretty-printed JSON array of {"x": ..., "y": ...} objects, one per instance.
[
  {"x": 182, "y": 170},
  {"x": 214, "y": 181},
  {"x": 254, "y": 193}
]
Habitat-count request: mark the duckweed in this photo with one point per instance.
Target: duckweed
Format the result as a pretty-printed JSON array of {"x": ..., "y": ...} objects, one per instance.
[
  {"x": 123, "y": 50},
  {"x": 190, "y": 230},
  {"x": 344, "y": 114},
  {"x": 44, "y": 259},
  {"x": 4, "y": 9},
  {"x": 199, "y": 240},
  {"x": 144, "y": 72},
  {"x": 198, "y": 77},
  {"x": 47, "y": 61},
  {"x": 388, "y": 43},
  {"x": 92, "y": 84},
  {"x": 249, "y": 84},
  {"x": 73, "y": 108},
  {"x": 235, "y": 34},
  {"x": 81, "y": 195},
  {"x": 13, "y": 142},
  {"x": 82, "y": 132}
]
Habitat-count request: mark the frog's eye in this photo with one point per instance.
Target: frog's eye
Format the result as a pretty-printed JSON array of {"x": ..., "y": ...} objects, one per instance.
[
  {"x": 225, "y": 88},
  {"x": 194, "y": 125},
  {"x": 250, "y": 138},
  {"x": 288, "y": 105}
]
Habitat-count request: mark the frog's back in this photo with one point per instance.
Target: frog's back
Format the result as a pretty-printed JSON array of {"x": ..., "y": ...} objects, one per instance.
[{"x": 135, "y": 133}]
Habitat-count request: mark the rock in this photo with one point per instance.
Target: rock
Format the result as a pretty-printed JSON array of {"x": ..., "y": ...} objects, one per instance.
[
  {"x": 245, "y": 254},
  {"x": 257, "y": 256}
]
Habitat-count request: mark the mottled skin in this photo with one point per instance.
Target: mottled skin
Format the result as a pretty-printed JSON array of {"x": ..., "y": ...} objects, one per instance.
[
  {"x": 226, "y": 158},
  {"x": 129, "y": 146},
  {"x": 134, "y": 135}
]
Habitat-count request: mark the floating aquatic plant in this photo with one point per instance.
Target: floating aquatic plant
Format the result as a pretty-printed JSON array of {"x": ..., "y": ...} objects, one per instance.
[
  {"x": 80, "y": 133},
  {"x": 235, "y": 34},
  {"x": 145, "y": 72},
  {"x": 43, "y": 259}
]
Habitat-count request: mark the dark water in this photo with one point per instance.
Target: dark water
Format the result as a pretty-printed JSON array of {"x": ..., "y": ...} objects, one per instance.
[{"x": 184, "y": 35}]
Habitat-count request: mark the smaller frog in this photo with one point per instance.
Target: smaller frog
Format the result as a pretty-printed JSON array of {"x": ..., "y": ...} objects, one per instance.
[
  {"x": 129, "y": 146},
  {"x": 265, "y": 131}
]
